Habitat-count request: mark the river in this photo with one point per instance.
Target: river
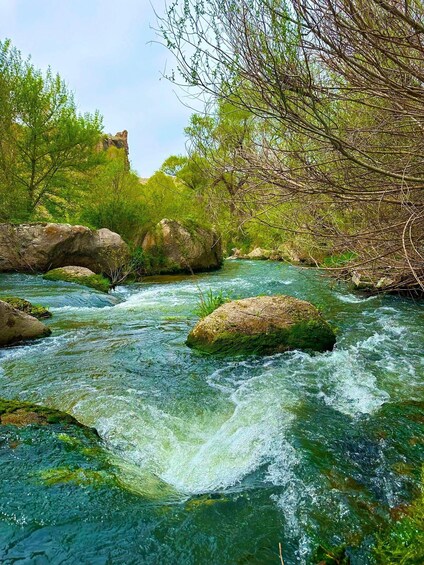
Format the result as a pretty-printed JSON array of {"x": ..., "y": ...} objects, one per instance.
[{"x": 208, "y": 459}]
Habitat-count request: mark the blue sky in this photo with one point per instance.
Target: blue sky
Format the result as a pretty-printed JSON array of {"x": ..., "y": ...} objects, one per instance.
[{"x": 101, "y": 48}]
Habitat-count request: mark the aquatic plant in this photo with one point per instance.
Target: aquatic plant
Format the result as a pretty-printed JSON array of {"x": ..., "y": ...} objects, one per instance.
[
  {"x": 403, "y": 542},
  {"x": 210, "y": 301}
]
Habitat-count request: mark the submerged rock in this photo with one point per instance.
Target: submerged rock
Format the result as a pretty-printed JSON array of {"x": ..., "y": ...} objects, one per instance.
[
  {"x": 176, "y": 247},
  {"x": 17, "y": 326},
  {"x": 25, "y": 306},
  {"x": 17, "y": 413},
  {"x": 40, "y": 247},
  {"x": 79, "y": 275},
  {"x": 262, "y": 325}
]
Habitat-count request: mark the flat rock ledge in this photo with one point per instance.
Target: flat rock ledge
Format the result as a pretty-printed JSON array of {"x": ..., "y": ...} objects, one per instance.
[
  {"x": 16, "y": 326},
  {"x": 79, "y": 275},
  {"x": 263, "y": 325}
]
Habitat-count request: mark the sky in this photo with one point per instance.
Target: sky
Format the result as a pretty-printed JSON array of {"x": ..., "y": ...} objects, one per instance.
[{"x": 103, "y": 49}]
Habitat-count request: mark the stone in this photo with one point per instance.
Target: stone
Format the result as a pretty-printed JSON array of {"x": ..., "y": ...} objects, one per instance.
[
  {"x": 23, "y": 305},
  {"x": 20, "y": 414},
  {"x": 39, "y": 247},
  {"x": 79, "y": 275},
  {"x": 263, "y": 325},
  {"x": 16, "y": 326},
  {"x": 181, "y": 247},
  {"x": 117, "y": 141},
  {"x": 259, "y": 254}
]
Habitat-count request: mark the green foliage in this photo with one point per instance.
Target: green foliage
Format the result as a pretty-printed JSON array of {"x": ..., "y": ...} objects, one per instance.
[
  {"x": 339, "y": 260},
  {"x": 210, "y": 301},
  {"x": 97, "y": 282},
  {"x": 46, "y": 147},
  {"x": 25, "y": 306},
  {"x": 148, "y": 262},
  {"x": 113, "y": 198}
]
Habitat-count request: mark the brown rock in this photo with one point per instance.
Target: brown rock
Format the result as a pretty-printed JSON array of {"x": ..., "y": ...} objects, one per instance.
[
  {"x": 174, "y": 247},
  {"x": 263, "y": 324},
  {"x": 16, "y": 326},
  {"x": 259, "y": 254},
  {"x": 40, "y": 247}
]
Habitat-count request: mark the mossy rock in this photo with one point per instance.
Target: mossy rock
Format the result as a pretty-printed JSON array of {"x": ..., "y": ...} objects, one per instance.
[
  {"x": 79, "y": 275},
  {"x": 17, "y": 326},
  {"x": 178, "y": 247},
  {"x": 25, "y": 306},
  {"x": 263, "y": 325},
  {"x": 18, "y": 413}
]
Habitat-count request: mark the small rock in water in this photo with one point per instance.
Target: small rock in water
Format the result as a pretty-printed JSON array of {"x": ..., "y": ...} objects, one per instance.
[{"x": 79, "y": 275}]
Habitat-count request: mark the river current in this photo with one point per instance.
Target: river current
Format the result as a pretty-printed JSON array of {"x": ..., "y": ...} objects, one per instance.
[{"x": 208, "y": 459}]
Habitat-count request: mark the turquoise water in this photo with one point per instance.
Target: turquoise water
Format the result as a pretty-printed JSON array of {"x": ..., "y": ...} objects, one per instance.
[{"x": 203, "y": 459}]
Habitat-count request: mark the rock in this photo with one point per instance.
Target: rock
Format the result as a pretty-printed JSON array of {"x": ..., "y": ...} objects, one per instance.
[
  {"x": 259, "y": 254},
  {"x": 42, "y": 246},
  {"x": 17, "y": 413},
  {"x": 293, "y": 254},
  {"x": 79, "y": 275},
  {"x": 16, "y": 326},
  {"x": 176, "y": 247},
  {"x": 25, "y": 306},
  {"x": 236, "y": 254},
  {"x": 275, "y": 256},
  {"x": 262, "y": 325},
  {"x": 118, "y": 141}
]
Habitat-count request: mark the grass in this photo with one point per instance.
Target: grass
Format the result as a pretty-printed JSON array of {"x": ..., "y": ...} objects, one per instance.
[{"x": 210, "y": 301}]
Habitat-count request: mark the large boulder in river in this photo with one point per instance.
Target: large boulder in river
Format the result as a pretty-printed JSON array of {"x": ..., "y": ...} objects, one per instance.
[
  {"x": 176, "y": 247},
  {"x": 263, "y": 325},
  {"x": 16, "y": 326},
  {"x": 40, "y": 247}
]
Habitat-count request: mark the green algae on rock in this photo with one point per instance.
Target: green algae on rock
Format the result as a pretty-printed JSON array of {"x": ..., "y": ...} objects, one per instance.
[
  {"x": 263, "y": 325},
  {"x": 18, "y": 413},
  {"x": 25, "y": 306},
  {"x": 79, "y": 275}
]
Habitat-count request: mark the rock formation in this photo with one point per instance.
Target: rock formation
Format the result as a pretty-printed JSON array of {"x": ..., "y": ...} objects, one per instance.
[
  {"x": 119, "y": 141},
  {"x": 39, "y": 247}
]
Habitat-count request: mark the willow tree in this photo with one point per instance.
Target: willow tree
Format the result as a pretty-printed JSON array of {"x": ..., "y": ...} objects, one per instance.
[
  {"x": 338, "y": 86},
  {"x": 46, "y": 145}
]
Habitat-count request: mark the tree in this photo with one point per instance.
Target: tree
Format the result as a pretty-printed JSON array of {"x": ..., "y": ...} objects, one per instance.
[
  {"x": 337, "y": 86},
  {"x": 46, "y": 146}
]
